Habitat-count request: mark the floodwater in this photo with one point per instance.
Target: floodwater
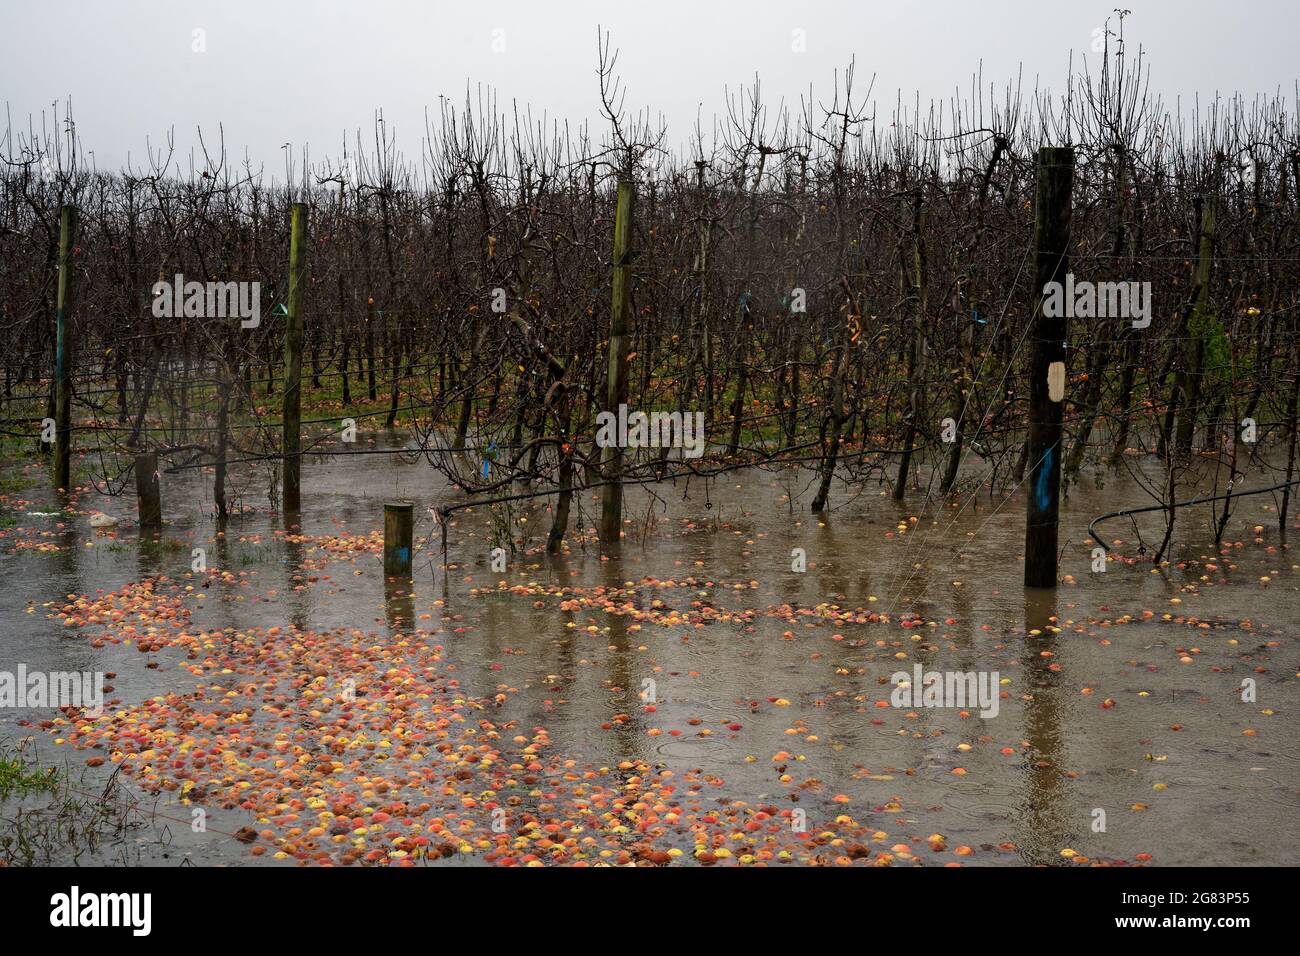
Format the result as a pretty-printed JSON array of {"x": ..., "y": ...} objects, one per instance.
[{"x": 1123, "y": 734}]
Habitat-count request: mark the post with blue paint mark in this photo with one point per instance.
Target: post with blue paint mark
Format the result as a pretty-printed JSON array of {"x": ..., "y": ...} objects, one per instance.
[
  {"x": 399, "y": 519},
  {"x": 1055, "y": 180}
]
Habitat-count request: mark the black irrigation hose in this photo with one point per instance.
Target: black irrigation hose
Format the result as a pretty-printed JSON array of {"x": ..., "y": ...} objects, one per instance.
[{"x": 1179, "y": 504}]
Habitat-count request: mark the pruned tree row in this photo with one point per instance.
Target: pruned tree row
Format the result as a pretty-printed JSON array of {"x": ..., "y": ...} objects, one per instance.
[{"x": 830, "y": 283}]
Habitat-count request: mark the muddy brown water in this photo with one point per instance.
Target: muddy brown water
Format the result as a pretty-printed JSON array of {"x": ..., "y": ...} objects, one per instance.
[{"x": 1230, "y": 774}]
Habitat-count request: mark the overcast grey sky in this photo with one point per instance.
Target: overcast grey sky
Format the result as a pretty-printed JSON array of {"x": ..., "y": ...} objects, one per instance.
[{"x": 276, "y": 71}]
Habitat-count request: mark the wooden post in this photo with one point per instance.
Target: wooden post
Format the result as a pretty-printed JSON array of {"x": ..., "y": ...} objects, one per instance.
[
  {"x": 63, "y": 354},
  {"x": 1194, "y": 342},
  {"x": 147, "y": 496},
  {"x": 1047, "y": 335},
  {"x": 911, "y": 282},
  {"x": 611, "y": 510},
  {"x": 1045, "y": 716},
  {"x": 292, "y": 441},
  {"x": 223, "y": 442},
  {"x": 399, "y": 519}
]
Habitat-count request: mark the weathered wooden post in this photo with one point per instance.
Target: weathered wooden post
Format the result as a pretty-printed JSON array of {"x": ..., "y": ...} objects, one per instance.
[
  {"x": 399, "y": 522},
  {"x": 1189, "y": 377},
  {"x": 1047, "y": 360},
  {"x": 63, "y": 353},
  {"x": 148, "y": 497},
  {"x": 611, "y": 510},
  {"x": 292, "y": 441}
]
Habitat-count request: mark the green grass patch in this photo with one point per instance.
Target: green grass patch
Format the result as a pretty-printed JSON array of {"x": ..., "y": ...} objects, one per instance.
[{"x": 20, "y": 777}]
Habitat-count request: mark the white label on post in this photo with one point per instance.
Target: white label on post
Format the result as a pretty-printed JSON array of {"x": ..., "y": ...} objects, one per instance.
[{"x": 1056, "y": 381}]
